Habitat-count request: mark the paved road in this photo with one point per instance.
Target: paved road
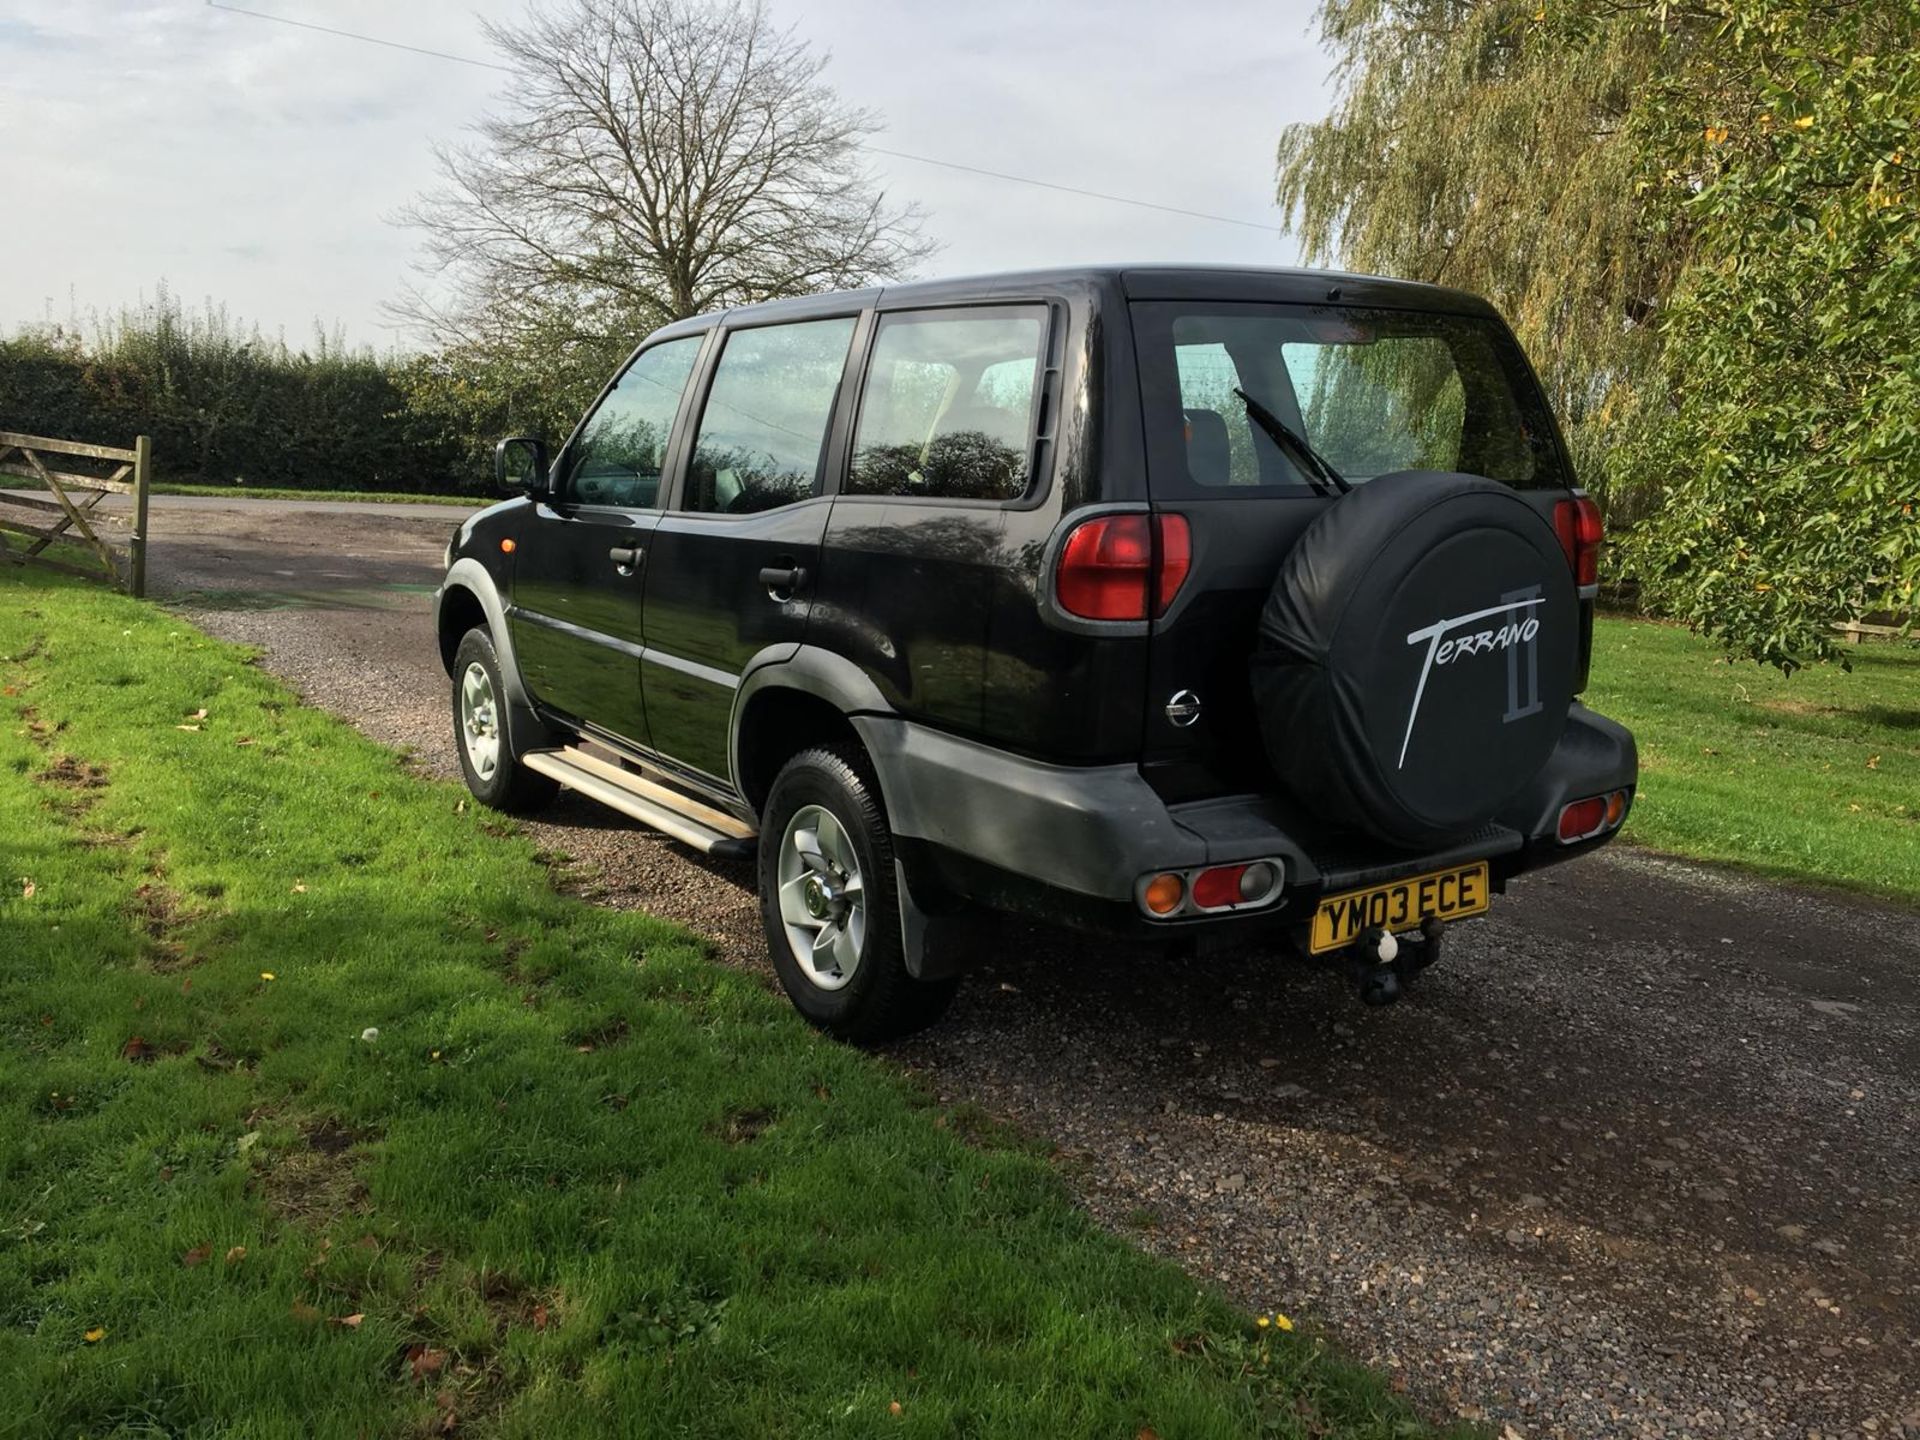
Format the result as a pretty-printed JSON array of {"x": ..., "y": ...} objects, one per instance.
[{"x": 1639, "y": 1158}]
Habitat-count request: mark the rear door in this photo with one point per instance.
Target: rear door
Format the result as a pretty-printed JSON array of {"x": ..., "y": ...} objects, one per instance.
[
  {"x": 1373, "y": 390},
  {"x": 733, "y": 567},
  {"x": 579, "y": 566}
]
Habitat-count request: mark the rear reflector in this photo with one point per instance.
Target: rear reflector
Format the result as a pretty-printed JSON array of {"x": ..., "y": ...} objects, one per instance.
[
  {"x": 1577, "y": 522},
  {"x": 1112, "y": 566}
]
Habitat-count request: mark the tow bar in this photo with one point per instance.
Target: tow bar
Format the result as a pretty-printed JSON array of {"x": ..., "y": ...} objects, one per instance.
[{"x": 1382, "y": 965}]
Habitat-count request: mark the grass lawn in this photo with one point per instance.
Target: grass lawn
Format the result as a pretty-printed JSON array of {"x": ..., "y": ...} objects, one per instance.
[
  {"x": 1813, "y": 776},
  {"x": 581, "y": 1181}
]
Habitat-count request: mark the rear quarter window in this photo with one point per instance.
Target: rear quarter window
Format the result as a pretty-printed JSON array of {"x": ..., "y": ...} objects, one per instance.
[{"x": 947, "y": 407}]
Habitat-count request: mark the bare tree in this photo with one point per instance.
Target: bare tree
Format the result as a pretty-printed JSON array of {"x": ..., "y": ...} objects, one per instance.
[{"x": 658, "y": 159}]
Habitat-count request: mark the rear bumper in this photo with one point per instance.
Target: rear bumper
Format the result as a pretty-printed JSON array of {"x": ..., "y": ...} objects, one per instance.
[{"x": 1070, "y": 842}]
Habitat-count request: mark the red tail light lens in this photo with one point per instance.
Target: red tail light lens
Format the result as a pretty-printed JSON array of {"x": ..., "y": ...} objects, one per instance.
[
  {"x": 1577, "y": 523},
  {"x": 1219, "y": 887},
  {"x": 1582, "y": 818},
  {"x": 1174, "y": 559},
  {"x": 1112, "y": 566}
]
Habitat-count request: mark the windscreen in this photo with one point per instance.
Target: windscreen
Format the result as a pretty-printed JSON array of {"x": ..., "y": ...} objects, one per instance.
[{"x": 1369, "y": 391}]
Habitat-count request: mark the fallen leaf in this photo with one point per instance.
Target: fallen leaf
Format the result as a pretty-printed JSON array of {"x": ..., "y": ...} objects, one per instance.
[
  {"x": 136, "y": 1050},
  {"x": 198, "y": 1255},
  {"x": 424, "y": 1360},
  {"x": 27, "y": 887},
  {"x": 300, "y": 888},
  {"x": 267, "y": 975},
  {"x": 347, "y": 1322},
  {"x": 236, "y": 1254},
  {"x": 1873, "y": 763},
  {"x": 1147, "y": 1432},
  {"x": 244, "y": 740},
  {"x": 540, "y": 1317},
  {"x": 186, "y": 727},
  {"x": 199, "y": 714},
  {"x": 893, "y": 1407},
  {"x": 95, "y": 1335}
]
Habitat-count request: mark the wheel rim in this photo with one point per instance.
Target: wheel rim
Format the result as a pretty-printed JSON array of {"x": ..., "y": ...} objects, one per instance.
[
  {"x": 823, "y": 901},
  {"x": 480, "y": 721}
]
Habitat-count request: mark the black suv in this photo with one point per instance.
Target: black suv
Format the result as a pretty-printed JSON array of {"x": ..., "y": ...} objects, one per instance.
[{"x": 1194, "y": 603}]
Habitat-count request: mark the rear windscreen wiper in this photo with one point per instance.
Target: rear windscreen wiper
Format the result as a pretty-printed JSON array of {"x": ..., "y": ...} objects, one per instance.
[{"x": 1319, "y": 472}]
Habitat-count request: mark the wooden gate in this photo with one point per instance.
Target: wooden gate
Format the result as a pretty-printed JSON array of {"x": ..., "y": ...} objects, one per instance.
[{"x": 126, "y": 472}]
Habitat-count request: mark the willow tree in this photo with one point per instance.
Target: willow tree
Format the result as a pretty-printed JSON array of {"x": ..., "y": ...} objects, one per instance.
[{"x": 1487, "y": 145}]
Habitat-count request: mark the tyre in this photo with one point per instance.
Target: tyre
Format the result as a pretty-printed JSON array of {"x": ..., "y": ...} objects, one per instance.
[
  {"x": 829, "y": 904},
  {"x": 480, "y": 736}
]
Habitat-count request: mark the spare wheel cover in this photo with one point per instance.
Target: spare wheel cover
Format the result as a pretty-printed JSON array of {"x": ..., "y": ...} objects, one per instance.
[{"x": 1416, "y": 657}]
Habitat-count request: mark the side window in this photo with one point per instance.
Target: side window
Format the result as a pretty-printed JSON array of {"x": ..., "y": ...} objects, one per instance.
[
  {"x": 948, "y": 405},
  {"x": 617, "y": 459},
  {"x": 765, "y": 422}
]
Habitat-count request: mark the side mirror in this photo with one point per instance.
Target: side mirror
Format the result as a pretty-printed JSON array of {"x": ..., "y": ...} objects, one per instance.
[{"x": 520, "y": 465}]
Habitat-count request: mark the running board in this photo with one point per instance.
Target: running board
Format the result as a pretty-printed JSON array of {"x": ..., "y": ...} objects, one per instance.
[{"x": 710, "y": 831}]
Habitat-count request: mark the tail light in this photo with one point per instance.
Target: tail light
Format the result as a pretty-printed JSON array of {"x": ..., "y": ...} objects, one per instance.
[
  {"x": 1584, "y": 819},
  {"x": 1577, "y": 523},
  {"x": 1123, "y": 567}
]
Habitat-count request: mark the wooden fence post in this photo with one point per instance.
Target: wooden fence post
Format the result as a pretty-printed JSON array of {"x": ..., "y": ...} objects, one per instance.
[{"x": 142, "y": 477}]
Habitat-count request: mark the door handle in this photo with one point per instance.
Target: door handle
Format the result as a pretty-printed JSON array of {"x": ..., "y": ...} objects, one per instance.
[
  {"x": 627, "y": 557},
  {"x": 782, "y": 580}
]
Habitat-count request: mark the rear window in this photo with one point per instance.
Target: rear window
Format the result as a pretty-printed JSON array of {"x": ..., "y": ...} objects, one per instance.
[{"x": 1372, "y": 391}]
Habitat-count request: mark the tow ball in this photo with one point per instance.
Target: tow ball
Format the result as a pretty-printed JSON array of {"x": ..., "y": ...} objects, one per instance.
[{"x": 1382, "y": 965}]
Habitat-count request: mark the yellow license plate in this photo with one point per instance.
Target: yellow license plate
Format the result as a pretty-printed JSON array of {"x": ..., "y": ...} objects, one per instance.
[{"x": 1443, "y": 895}]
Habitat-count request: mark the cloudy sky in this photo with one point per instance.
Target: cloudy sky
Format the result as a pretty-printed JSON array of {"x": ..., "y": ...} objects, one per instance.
[{"x": 258, "y": 165}]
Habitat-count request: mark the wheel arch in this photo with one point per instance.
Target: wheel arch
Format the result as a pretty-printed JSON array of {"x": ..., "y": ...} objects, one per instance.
[{"x": 790, "y": 700}]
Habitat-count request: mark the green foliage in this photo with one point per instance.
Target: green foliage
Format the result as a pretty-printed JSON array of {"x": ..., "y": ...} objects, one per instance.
[
  {"x": 1789, "y": 450},
  {"x": 224, "y": 404}
]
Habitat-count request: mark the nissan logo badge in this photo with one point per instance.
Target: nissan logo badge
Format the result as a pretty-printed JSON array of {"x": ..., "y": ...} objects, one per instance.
[{"x": 1184, "y": 708}]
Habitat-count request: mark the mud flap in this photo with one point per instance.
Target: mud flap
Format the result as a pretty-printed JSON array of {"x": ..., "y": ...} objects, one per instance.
[{"x": 935, "y": 946}]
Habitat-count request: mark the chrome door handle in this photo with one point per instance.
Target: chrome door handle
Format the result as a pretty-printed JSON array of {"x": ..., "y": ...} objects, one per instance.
[{"x": 626, "y": 557}]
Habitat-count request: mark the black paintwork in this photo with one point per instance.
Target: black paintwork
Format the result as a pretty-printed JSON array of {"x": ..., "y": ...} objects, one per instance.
[{"x": 938, "y": 602}]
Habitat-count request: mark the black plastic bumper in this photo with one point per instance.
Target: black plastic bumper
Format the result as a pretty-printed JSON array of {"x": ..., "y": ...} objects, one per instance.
[{"x": 1070, "y": 843}]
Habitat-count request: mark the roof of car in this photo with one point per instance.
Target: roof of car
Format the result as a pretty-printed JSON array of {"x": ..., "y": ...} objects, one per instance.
[{"x": 1229, "y": 283}]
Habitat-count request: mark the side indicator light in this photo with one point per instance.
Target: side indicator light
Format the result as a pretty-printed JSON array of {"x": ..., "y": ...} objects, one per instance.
[
  {"x": 507, "y": 546},
  {"x": 1163, "y": 894}
]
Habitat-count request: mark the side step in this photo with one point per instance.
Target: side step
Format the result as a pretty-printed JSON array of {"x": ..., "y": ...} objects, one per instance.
[{"x": 710, "y": 831}]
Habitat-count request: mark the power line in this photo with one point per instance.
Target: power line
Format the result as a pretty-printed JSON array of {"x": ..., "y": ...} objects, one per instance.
[{"x": 872, "y": 149}]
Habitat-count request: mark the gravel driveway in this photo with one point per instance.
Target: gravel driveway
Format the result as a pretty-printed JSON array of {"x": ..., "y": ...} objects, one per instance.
[{"x": 1639, "y": 1158}]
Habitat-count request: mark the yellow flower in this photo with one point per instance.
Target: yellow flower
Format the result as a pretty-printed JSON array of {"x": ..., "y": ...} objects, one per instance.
[
  {"x": 1263, "y": 1322},
  {"x": 1805, "y": 122},
  {"x": 95, "y": 1335},
  {"x": 266, "y": 975},
  {"x": 1283, "y": 1322}
]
